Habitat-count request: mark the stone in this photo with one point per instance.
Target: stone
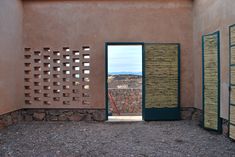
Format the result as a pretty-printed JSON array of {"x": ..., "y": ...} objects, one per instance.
[
  {"x": 81, "y": 111},
  {"x": 39, "y": 116},
  {"x": 38, "y": 110},
  {"x": 52, "y": 118},
  {"x": 197, "y": 116},
  {"x": 186, "y": 115},
  {"x": 2, "y": 124},
  {"x": 8, "y": 119},
  {"x": 99, "y": 115},
  {"x": 88, "y": 118},
  {"x": 23, "y": 112},
  {"x": 16, "y": 117},
  {"x": 28, "y": 118},
  {"x": 225, "y": 129},
  {"x": 76, "y": 117},
  {"x": 53, "y": 112},
  {"x": 62, "y": 118},
  {"x": 90, "y": 111},
  {"x": 68, "y": 113},
  {"x": 31, "y": 112}
]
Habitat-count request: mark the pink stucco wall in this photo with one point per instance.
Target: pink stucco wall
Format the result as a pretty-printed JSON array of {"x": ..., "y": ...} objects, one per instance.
[
  {"x": 75, "y": 23},
  {"x": 210, "y": 16},
  {"x": 11, "y": 65}
]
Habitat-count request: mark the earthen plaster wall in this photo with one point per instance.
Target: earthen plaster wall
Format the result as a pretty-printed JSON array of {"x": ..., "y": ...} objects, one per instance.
[
  {"x": 11, "y": 54},
  {"x": 58, "y": 24},
  {"x": 210, "y": 16}
]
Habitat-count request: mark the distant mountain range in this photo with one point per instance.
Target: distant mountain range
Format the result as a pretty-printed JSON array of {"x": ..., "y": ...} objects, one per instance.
[{"x": 125, "y": 73}]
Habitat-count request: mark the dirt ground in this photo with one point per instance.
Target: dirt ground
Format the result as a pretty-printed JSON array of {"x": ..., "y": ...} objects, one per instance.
[{"x": 139, "y": 139}]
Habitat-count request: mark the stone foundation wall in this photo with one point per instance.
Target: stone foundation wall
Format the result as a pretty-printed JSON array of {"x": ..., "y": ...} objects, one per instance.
[
  {"x": 189, "y": 113},
  {"x": 10, "y": 118},
  {"x": 196, "y": 115},
  {"x": 84, "y": 115},
  {"x": 51, "y": 115},
  {"x": 225, "y": 129},
  {"x": 63, "y": 115}
]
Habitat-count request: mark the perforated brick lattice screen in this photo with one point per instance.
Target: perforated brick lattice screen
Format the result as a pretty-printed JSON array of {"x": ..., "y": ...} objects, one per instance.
[{"x": 57, "y": 77}]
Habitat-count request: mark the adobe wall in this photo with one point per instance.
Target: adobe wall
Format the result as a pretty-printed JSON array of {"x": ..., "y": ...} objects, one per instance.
[
  {"x": 74, "y": 24},
  {"x": 11, "y": 65},
  {"x": 210, "y": 16}
]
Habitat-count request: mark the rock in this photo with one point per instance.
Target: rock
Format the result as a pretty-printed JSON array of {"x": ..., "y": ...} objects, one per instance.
[
  {"x": 76, "y": 117},
  {"x": 39, "y": 116},
  {"x": 68, "y": 113},
  {"x": 8, "y": 120},
  {"x": 225, "y": 125},
  {"x": 54, "y": 112},
  {"x": 99, "y": 116},
  {"x": 52, "y": 118},
  {"x": 197, "y": 117},
  {"x": 186, "y": 115},
  {"x": 31, "y": 112},
  {"x": 90, "y": 111},
  {"x": 62, "y": 118},
  {"x": 88, "y": 118},
  {"x": 2, "y": 124},
  {"x": 225, "y": 130},
  {"x": 82, "y": 111},
  {"x": 28, "y": 118}
]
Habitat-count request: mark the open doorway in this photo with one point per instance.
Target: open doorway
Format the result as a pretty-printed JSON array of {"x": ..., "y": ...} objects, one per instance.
[{"x": 124, "y": 81}]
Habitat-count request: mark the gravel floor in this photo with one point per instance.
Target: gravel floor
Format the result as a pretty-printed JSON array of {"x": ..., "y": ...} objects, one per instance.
[{"x": 139, "y": 139}]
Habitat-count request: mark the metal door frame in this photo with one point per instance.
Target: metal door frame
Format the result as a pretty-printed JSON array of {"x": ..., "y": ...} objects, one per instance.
[{"x": 106, "y": 72}]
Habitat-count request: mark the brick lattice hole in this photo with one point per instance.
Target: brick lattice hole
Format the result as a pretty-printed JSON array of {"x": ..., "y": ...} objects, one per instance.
[{"x": 57, "y": 78}]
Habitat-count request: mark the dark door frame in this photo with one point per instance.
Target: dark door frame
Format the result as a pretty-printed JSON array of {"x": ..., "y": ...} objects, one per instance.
[{"x": 106, "y": 72}]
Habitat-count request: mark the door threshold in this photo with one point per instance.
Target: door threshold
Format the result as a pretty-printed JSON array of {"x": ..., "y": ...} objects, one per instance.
[{"x": 125, "y": 119}]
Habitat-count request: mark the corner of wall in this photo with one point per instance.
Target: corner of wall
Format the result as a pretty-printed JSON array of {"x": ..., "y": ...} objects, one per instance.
[{"x": 11, "y": 62}]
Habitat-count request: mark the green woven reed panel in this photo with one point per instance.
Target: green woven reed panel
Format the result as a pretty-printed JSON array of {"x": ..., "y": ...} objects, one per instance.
[
  {"x": 232, "y": 71},
  {"x": 232, "y": 114},
  {"x": 232, "y": 81},
  {"x": 161, "y": 82},
  {"x": 232, "y": 95},
  {"x": 233, "y": 55},
  {"x": 232, "y": 131},
  {"x": 211, "y": 82},
  {"x": 232, "y": 32}
]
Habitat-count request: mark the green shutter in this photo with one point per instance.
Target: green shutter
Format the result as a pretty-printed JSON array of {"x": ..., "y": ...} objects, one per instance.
[
  {"x": 232, "y": 83},
  {"x": 211, "y": 82}
]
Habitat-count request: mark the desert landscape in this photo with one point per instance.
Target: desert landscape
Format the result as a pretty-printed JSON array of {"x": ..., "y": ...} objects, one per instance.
[{"x": 125, "y": 94}]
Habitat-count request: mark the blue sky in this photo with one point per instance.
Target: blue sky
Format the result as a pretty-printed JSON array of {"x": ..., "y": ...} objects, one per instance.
[{"x": 124, "y": 58}]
